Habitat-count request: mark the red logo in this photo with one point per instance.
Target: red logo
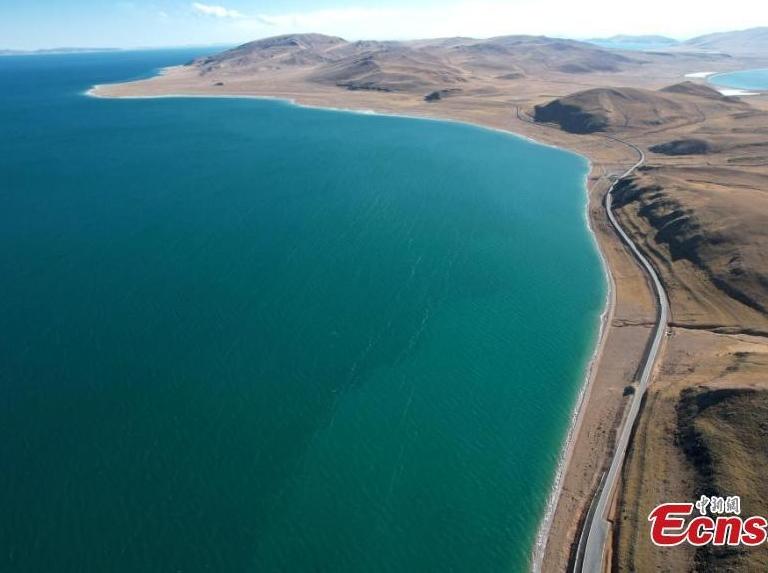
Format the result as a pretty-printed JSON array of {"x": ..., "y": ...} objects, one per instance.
[{"x": 670, "y": 525}]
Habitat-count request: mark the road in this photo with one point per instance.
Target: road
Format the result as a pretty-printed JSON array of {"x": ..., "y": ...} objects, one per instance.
[
  {"x": 593, "y": 538},
  {"x": 594, "y": 535}
]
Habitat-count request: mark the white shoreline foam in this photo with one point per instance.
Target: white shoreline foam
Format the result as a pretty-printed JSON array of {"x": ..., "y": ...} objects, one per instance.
[
  {"x": 736, "y": 92},
  {"x": 725, "y": 89},
  {"x": 590, "y": 371},
  {"x": 363, "y": 111}
]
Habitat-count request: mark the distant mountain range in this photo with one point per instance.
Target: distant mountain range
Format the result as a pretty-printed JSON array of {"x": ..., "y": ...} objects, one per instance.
[
  {"x": 751, "y": 41},
  {"x": 448, "y": 66},
  {"x": 409, "y": 66}
]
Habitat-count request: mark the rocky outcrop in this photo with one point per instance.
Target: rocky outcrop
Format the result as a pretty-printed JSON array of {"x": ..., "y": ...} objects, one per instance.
[
  {"x": 511, "y": 76},
  {"x": 689, "y": 146},
  {"x": 570, "y": 117},
  {"x": 721, "y": 432},
  {"x": 700, "y": 226},
  {"x": 437, "y": 95}
]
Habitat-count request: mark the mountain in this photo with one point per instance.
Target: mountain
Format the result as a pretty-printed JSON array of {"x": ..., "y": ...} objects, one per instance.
[
  {"x": 414, "y": 66},
  {"x": 751, "y": 41},
  {"x": 390, "y": 67},
  {"x": 540, "y": 53},
  {"x": 603, "y": 109},
  {"x": 290, "y": 50},
  {"x": 363, "y": 65}
]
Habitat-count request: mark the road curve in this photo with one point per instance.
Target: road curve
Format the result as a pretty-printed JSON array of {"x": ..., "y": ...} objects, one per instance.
[{"x": 594, "y": 534}]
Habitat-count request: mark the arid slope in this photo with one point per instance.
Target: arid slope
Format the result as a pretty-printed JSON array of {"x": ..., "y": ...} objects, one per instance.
[
  {"x": 699, "y": 204},
  {"x": 698, "y": 208}
]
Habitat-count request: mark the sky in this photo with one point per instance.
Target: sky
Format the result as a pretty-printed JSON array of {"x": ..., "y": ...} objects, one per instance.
[{"x": 33, "y": 24}]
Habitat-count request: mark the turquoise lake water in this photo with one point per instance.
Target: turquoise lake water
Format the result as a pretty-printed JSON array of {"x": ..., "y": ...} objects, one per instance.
[
  {"x": 240, "y": 335},
  {"x": 744, "y": 79}
]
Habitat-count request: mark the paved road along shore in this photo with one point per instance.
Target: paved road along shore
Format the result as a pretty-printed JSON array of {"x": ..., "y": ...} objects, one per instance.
[{"x": 592, "y": 542}]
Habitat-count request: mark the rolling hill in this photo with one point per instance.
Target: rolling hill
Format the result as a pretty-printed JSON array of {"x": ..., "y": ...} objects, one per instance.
[
  {"x": 751, "y": 41},
  {"x": 604, "y": 109},
  {"x": 419, "y": 66}
]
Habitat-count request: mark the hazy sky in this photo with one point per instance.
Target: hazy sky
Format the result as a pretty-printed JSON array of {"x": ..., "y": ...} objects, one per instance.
[{"x": 130, "y": 23}]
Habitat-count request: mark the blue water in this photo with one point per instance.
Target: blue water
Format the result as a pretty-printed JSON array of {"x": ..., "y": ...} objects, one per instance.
[
  {"x": 631, "y": 46},
  {"x": 240, "y": 335},
  {"x": 744, "y": 79}
]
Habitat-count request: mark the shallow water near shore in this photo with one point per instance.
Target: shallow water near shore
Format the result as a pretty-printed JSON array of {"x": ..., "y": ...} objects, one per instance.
[
  {"x": 241, "y": 335},
  {"x": 743, "y": 80}
]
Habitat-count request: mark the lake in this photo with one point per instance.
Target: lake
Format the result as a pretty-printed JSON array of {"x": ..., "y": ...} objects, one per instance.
[
  {"x": 242, "y": 335},
  {"x": 744, "y": 80}
]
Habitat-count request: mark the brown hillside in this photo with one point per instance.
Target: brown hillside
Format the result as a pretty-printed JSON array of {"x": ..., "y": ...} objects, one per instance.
[
  {"x": 611, "y": 109},
  {"x": 715, "y": 227},
  {"x": 409, "y": 67},
  {"x": 601, "y": 109}
]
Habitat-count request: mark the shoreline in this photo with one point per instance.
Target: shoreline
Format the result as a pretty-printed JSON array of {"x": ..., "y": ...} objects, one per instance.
[
  {"x": 728, "y": 90},
  {"x": 592, "y": 367},
  {"x": 712, "y": 75},
  {"x": 360, "y": 111},
  {"x": 582, "y": 399}
]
